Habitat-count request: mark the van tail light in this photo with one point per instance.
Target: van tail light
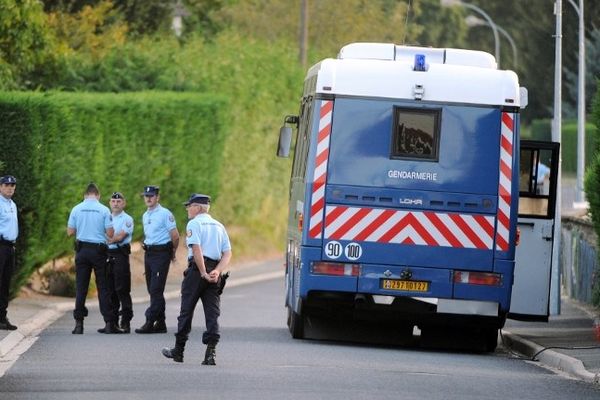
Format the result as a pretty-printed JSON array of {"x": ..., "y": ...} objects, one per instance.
[
  {"x": 518, "y": 237},
  {"x": 337, "y": 269},
  {"x": 300, "y": 221},
  {"x": 478, "y": 278}
]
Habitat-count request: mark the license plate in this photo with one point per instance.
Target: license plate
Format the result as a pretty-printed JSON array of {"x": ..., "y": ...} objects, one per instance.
[{"x": 406, "y": 286}]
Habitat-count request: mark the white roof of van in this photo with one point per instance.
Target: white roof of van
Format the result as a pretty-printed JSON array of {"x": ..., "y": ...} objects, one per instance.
[{"x": 387, "y": 70}]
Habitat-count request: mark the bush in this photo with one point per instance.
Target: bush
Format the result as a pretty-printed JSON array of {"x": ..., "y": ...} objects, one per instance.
[
  {"x": 541, "y": 129},
  {"x": 592, "y": 192},
  {"x": 59, "y": 142},
  {"x": 569, "y": 145}
]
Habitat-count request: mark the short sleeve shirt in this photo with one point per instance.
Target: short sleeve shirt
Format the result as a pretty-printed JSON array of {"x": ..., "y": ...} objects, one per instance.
[
  {"x": 122, "y": 222},
  {"x": 9, "y": 224},
  {"x": 158, "y": 224},
  {"x": 210, "y": 234},
  {"x": 90, "y": 219}
]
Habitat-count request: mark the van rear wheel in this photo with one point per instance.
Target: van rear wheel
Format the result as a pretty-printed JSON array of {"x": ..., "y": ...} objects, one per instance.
[
  {"x": 490, "y": 337},
  {"x": 295, "y": 324}
]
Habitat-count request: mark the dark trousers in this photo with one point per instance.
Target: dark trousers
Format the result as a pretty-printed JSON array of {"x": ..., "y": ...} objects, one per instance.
[
  {"x": 7, "y": 266},
  {"x": 194, "y": 288},
  {"x": 156, "y": 265},
  {"x": 86, "y": 260},
  {"x": 120, "y": 285}
]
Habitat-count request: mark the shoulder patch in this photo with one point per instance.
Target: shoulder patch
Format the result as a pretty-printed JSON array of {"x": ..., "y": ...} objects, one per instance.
[
  {"x": 128, "y": 224},
  {"x": 171, "y": 218},
  {"x": 189, "y": 233}
]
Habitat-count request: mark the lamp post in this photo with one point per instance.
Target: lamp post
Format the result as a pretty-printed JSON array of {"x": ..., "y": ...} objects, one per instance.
[
  {"x": 557, "y": 137},
  {"x": 451, "y": 3},
  {"x": 580, "y": 194},
  {"x": 179, "y": 12},
  {"x": 472, "y": 20}
]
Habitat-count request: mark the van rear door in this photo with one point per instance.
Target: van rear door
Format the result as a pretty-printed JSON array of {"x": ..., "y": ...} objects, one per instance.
[{"x": 538, "y": 173}]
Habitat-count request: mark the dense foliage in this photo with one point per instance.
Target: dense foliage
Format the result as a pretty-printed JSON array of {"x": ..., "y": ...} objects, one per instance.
[
  {"x": 592, "y": 192},
  {"x": 59, "y": 142}
]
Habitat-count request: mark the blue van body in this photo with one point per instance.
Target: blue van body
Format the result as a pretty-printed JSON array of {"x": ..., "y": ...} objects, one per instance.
[{"x": 424, "y": 236}]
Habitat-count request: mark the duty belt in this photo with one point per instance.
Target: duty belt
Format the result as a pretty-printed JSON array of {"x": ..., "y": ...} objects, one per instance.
[
  {"x": 92, "y": 245},
  {"x": 158, "y": 247},
  {"x": 121, "y": 249},
  {"x": 206, "y": 259},
  {"x": 209, "y": 263},
  {"x": 4, "y": 242}
]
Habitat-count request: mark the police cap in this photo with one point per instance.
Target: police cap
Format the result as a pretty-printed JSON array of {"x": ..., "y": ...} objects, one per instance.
[
  {"x": 197, "y": 198},
  {"x": 150, "y": 190},
  {"x": 8, "y": 180},
  {"x": 117, "y": 195}
]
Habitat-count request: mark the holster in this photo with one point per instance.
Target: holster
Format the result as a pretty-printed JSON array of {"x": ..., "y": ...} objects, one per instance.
[
  {"x": 222, "y": 282},
  {"x": 110, "y": 263}
]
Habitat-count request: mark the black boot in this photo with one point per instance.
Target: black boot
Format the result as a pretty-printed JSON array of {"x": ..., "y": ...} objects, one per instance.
[
  {"x": 148, "y": 327},
  {"x": 176, "y": 353},
  {"x": 6, "y": 325},
  {"x": 125, "y": 326},
  {"x": 160, "y": 326},
  {"x": 209, "y": 356},
  {"x": 110, "y": 327},
  {"x": 78, "y": 327}
]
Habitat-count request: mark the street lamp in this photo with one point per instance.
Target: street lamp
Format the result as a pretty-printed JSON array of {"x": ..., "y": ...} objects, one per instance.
[
  {"x": 179, "y": 12},
  {"x": 472, "y": 21},
  {"x": 451, "y": 3},
  {"x": 580, "y": 194}
]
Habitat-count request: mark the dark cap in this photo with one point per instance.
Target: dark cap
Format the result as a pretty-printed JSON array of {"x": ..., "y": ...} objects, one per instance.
[
  {"x": 150, "y": 190},
  {"x": 117, "y": 195},
  {"x": 8, "y": 179},
  {"x": 198, "y": 198}
]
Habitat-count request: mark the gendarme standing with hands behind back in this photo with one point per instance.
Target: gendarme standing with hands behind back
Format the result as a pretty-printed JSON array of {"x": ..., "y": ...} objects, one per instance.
[
  {"x": 160, "y": 243},
  {"x": 209, "y": 253}
]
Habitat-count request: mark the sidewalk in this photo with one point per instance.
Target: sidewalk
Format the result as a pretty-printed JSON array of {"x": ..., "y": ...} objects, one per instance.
[{"x": 567, "y": 342}]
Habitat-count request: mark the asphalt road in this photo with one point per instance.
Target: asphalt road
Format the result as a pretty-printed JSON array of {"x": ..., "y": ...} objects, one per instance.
[{"x": 257, "y": 359}]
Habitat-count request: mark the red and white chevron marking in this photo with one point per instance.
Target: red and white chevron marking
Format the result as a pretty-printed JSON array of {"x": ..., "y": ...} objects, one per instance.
[
  {"x": 505, "y": 184},
  {"x": 426, "y": 228},
  {"x": 320, "y": 176}
]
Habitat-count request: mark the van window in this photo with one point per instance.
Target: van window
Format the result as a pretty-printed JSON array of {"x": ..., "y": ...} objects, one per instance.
[
  {"x": 302, "y": 140},
  {"x": 415, "y": 134},
  {"x": 534, "y": 183}
]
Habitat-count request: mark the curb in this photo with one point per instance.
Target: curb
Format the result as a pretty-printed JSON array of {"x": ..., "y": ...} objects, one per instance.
[{"x": 550, "y": 358}]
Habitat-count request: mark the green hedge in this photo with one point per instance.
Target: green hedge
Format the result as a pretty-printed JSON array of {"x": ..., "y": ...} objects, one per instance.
[
  {"x": 592, "y": 192},
  {"x": 541, "y": 129},
  {"x": 59, "y": 142}
]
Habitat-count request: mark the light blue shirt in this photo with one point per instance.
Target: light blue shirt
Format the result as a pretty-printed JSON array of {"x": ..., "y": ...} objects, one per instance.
[
  {"x": 90, "y": 219},
  {"x": 122, "y": 222},
  {"x": 210, "y": 234},
  {"x": 9, "y": 224},
  {"x": 158, "y": 224}
]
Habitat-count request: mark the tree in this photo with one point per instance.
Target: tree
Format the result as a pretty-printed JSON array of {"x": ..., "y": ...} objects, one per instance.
[
  {"x": 92, "y": 30},
  {"x": 592, "y": 72},
  {"x": 25, "y": 41}
]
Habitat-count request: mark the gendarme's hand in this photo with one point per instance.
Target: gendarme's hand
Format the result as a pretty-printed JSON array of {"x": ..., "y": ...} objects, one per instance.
[{"x": 214, "y": 276}]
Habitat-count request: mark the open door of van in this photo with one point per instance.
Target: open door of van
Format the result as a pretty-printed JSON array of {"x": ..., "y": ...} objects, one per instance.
[{"x": 538, "y": 175}]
